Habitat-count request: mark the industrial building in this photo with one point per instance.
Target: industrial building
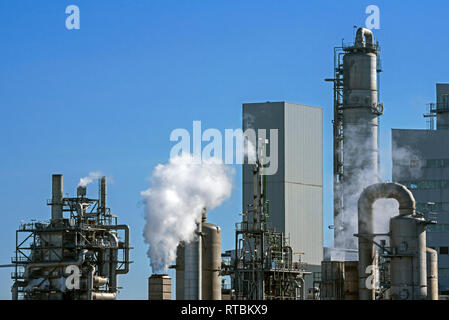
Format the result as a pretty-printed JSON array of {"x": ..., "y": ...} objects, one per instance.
[
  {"x": 421, "y": 162},
  {"x": 262, "y": 266},
  {"x": 278, "y": 253},
  {"x": 295, "y": 191},
  {"x": 77, "y": 255}
]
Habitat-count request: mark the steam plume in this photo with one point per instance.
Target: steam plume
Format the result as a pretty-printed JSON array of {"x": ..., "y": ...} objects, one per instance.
[
  {"x": 179, "y": 190},
  {"x": 91, "y": 177}
]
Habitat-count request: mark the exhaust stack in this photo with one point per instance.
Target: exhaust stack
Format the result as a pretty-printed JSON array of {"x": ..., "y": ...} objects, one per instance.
[{"x": 56, "y": 198}]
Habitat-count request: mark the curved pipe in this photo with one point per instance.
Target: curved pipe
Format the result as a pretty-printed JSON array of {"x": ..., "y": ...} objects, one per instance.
[
  {"x": 366, "y": 229},
  {"x": 126, "y": 249},
  {"x": 303, "y": 288},
  {"x": 364, "y": 34}
]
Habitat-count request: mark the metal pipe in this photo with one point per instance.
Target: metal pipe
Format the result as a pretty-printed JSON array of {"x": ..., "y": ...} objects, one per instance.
[
  {"x": 432, "y": 274},
  {"x": 113, "y": 262},
  {"x": 364, "y": 34},
  {"x": 104, "y": 295},
  {"x": 126, "y": 249},
  {"x": 366, "y": 225},
  {"x": 90, "y": 283}
]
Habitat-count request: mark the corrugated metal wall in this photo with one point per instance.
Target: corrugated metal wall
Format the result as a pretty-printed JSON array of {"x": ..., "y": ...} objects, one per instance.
[{"x": 296, "y": 190}]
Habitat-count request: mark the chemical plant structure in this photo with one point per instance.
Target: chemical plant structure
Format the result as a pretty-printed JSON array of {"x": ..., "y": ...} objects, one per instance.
[
  {"x": 355, "y": 127},
  {"x": 399, "y": 266},
  {"x": 77, "y": 255},
  {"x": 262, "y": 266}
]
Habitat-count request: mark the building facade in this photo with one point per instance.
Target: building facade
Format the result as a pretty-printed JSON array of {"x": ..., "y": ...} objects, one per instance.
[
  {"x": 421, "y": 162},
  {"x": 295, "y": 191}
]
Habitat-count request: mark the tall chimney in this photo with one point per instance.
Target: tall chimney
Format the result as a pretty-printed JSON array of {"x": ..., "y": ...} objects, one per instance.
[
  {"x": 56, "y": 199},
  {"x": 103, "y": 195}
]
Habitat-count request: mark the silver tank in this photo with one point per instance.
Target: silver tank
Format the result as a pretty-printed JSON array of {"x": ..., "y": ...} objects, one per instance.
[
  {"x": 211, "y": 265},
  {"x": 408, "y": 262},
  {"x": 360, "y": 113},
  {"x": 190, "y": 283}
]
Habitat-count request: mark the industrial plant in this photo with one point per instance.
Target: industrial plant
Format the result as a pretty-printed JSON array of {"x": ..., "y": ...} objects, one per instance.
[
  {"x": 77, "y": 255},
  {"x": 278, "y": 252}
]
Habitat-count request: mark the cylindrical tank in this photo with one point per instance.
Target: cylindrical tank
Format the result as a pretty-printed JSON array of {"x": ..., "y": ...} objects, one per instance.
[
  {"x": 211, "y": 264},
  {"x": 56, "y": 198},
  {"x": 180, "y": 271},
  {"x": 193, "y": 274},
  {"x": 408, "y": 270},
  {"x": 360, "y": 124},
  {"x": 432, "y": 274}
]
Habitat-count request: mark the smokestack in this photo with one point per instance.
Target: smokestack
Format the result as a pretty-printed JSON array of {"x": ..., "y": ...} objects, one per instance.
[
  {"x": 159, "y": 287},
  {"x": 56, "y": 199},
  {"x": 81, "y": 191},
  {"x": 103, "y": 194}
]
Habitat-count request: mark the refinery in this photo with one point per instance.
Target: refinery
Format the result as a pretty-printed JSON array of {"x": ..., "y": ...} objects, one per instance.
[{"x": 84, "y": 248}]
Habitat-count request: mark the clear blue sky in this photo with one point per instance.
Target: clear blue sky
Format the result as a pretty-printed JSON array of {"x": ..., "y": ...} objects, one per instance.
[{"x": 107, "y": 96}]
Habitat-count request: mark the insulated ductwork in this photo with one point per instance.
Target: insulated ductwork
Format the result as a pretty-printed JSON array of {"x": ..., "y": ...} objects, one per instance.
[{"x": 366, "y": 226}]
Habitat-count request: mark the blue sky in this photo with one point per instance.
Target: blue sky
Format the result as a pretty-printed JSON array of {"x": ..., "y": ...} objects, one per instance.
[{"x": 106, "y": 97}]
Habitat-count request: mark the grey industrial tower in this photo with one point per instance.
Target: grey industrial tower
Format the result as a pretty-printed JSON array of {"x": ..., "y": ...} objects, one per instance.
[
  {"x": 295, "y": 191},
  {"x": 421, "y": 162}
]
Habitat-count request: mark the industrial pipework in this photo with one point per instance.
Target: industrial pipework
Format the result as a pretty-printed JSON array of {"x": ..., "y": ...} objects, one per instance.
[
  {"x": 408, "y": 269},
  {"x": 76, "y": 255}
]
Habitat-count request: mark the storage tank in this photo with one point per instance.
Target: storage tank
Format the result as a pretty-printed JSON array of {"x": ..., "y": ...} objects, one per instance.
[
  {"x": 408, "y": 260},
  {"x": 192, "y": 270},
  {"x": 211, "y": 254},
  {"x": 203, "y": 253}
]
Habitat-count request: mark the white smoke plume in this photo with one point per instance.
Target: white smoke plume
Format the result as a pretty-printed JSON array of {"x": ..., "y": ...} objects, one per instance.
[
  {"x": 407, "y": 162},
  {"x": 173, "y": 204},
  {"x": 91, "y": 177}
]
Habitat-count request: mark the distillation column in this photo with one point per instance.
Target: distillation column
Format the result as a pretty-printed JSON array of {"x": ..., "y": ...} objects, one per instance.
[{"x": 359, "y": 147}]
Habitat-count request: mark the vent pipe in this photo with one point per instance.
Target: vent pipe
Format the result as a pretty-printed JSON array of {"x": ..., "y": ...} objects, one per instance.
[
  {"x": 364, "y": 38},
  {"x": 432, "y": 274}
]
